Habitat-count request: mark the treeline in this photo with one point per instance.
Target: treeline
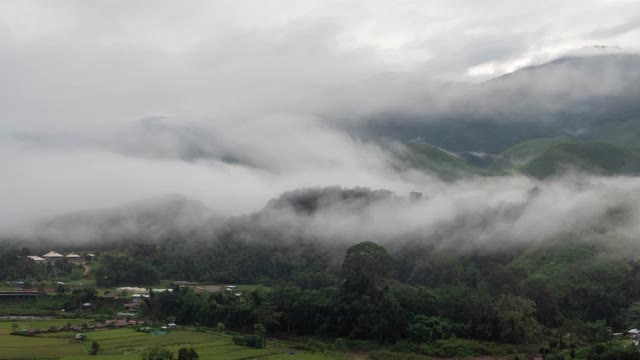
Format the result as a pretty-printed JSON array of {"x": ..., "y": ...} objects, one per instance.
[{"x": 370, "y": 297}]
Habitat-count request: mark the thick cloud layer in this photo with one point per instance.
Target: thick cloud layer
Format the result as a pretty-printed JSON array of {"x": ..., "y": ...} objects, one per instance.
[{"x": 241, "y": 101}]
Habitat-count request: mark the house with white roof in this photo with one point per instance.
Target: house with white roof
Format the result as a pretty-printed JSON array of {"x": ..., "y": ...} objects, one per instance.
[
  {"x": 52, "y": 256},
  {"x": 36, "y": 258}
]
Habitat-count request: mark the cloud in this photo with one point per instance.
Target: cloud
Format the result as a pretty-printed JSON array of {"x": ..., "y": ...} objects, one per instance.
[{"x": 243, "y": 100}]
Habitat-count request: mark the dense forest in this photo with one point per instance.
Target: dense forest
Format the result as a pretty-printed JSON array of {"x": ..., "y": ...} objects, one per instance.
[{"x": 560, "y": 294}]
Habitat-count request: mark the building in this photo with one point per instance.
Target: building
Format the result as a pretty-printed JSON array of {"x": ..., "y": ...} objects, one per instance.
[
  {"x": 36, "y": 258},
  {"x": 74, "y": 257},
  {"x": 137, "y": 299},
  {"x": 180, "y": 284},
  {"x": 52, "y": 256}
]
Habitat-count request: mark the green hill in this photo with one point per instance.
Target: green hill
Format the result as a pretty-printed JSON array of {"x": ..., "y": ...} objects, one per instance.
[
  {"x": 431, "y": 159},
  {"x": 527, "y": 150},
  {"x": 538, "y": 158},
  {"x": 590, "y": 156}
]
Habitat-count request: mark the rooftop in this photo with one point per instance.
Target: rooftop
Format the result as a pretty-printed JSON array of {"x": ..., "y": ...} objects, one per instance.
[{"x": 52, "y": 254}]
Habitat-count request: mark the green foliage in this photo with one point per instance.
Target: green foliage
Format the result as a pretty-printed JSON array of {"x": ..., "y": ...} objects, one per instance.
[
  {"x": 187, "y": 354},
  {"x": 95, "y": 347},
  {"x": 365, "y": 267},
  {"x": 121, "y": 270},
  {"x": 515, "y": 317},
  {"x": 252, "y": 341},
  {"x": 20, "y": 333},
  {"x": 459, "y": 348},
  {"x": 556, "y": 355},
  {"x": 595, "y": 331},
  {"x": 261, "y": 333},
  {"x": 388, "y": 355},
  {"x": 424, "y": 328},
  {"x": 220, "y": 327},
  {"x": 157, "y": 353}
]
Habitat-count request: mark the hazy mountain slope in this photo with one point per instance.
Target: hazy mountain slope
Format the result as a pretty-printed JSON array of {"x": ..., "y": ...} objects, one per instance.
[
  {"x": 529, "y": 149},
  {"x": 576, "y": 97},
  {"x": 539, "y": 158},
  {"x": 435, "y": 161},
  {"x": 590, "y": 156},
  {"x": 149, "y": 219},
  {"x": 621, "y": 133}
]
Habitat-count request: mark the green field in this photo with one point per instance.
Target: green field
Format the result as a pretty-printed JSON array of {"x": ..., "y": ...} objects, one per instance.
[{"x": 129, "y": 344}]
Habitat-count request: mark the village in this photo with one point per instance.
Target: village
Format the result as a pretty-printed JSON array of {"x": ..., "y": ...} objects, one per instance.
[{"x": 127, "y": 300}]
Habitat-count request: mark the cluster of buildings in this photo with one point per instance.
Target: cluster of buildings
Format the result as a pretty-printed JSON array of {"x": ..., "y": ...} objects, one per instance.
[{"x": 53, "y": 256}]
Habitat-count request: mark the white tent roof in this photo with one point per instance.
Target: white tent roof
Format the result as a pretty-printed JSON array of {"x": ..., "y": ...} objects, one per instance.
[
  {"x": 52, "y": 254},
  {"x": 36, "y": 258},
  {"x": 73, "y": 255}
]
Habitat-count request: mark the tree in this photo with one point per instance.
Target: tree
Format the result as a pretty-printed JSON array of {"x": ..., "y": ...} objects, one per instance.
[
  {"x": 187, "y": 354},
  {"x": 366, "y": 266},
  {"x": 634, "y": 314},
  {"x": 157, "y": 353},
  {"x": 264, "y": 312},
  {"x": 595, "y": 332},
  {"x": 14, "y": 327},
  {"x": 261, "y": 333},
  {"x": 515, "y": 319},
  {"x": 424, "y": 328}
]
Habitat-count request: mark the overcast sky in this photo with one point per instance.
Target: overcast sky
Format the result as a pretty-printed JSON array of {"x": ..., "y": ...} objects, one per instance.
[{"x": 76, "y": 76}]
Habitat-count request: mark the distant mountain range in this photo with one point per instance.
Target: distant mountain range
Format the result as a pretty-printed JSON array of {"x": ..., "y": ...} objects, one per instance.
[
  {"x": 539, "y": 158},
  {"x": 574, "y": 112}
]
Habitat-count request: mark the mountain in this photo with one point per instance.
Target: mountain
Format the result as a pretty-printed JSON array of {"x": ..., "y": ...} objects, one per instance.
[
  {"x": 589, "y": 156},
  {"x": 539, "y": 158},
  {"x": 433, "y": 160},
  {"x": 586, "y": 98},
  {"x": 527, "y": 150}
]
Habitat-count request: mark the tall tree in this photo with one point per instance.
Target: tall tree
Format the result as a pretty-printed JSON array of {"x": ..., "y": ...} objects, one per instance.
[{"x": 366, "y": 266}]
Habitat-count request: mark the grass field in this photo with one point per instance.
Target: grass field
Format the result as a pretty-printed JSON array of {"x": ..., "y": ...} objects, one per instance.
[{"x": 128, "y": 344}]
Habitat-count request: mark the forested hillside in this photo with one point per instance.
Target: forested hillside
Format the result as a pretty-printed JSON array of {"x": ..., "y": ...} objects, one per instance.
[{"x": 566, "y": 292}]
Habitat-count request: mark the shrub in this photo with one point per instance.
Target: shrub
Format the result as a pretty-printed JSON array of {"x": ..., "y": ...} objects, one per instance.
[
  {"x": 20, "y": 333},
  {"x": 456, "y": 347},
  {"x": 388, "y": 355},
  {"x": 157, "y": 353},
  {"x": 554, "y": 356},
  {"x": 187, "y": 354},
  {"x": 424, "y": 328},
  {"x": 95, "y": 347},
  {"x": 251, "y": 341}
]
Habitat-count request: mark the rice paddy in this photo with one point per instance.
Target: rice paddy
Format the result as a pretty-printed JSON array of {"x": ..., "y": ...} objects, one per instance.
[{"x": 128, "y": 344}]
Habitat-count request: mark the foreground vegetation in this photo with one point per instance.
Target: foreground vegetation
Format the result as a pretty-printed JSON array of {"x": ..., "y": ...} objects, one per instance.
[
  {"x": 131, "y": 344},
  {"x": 561, "y": 297}
]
